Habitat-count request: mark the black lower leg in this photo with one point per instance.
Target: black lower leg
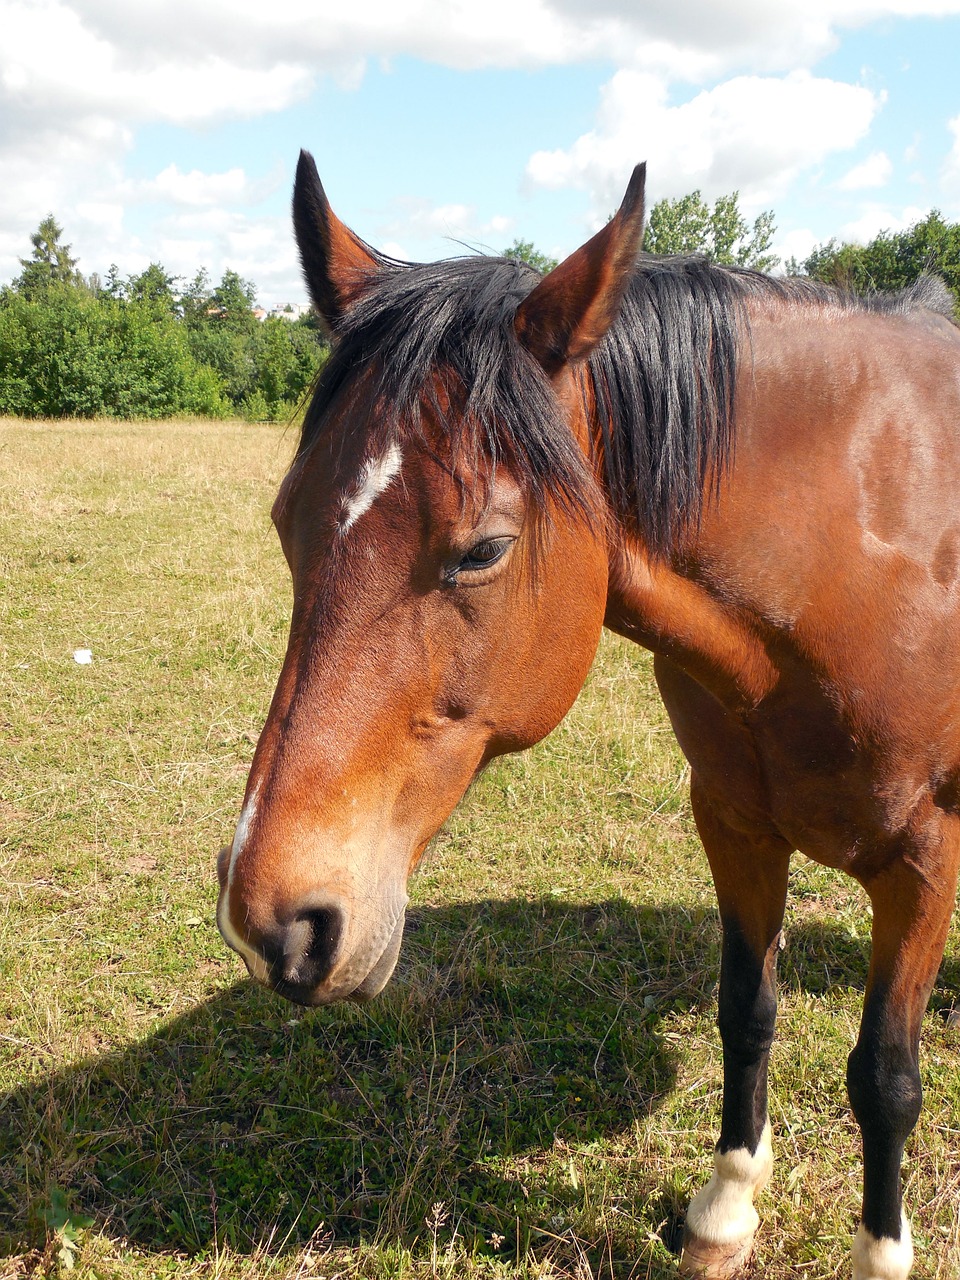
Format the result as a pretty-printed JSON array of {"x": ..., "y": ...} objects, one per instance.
[
  {"x": 883, "y": 1081},
  {"x": 747, "y": 1015}
]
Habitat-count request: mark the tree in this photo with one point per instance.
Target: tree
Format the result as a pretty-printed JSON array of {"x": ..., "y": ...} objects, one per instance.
[
  {"x": 154, "y": 287},
  {"x": 523, "y": 251},
  {"x": 234, "y": 300},
  {"x": 195, "y": 301},
  {"x": 50, "y": 263},
  {"x": 140, "y": 348},
  {"x": 112, "y": 287},
  {"x": 689, "y": 225},
  {"x": 71, "y": 354},
  {"x": 893, "y": 259},
  {"x": 289, "y": 357}
]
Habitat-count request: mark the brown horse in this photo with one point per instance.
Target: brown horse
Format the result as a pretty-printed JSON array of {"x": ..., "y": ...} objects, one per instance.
[{"x": 757, "y": 479}]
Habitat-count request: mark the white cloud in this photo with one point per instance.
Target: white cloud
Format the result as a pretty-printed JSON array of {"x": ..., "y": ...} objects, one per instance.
[
  {"x": 752, "y": 134},
  {"x": 198, "y": 188},
  {"x": 54, "y": 65},
  {"x": 415, "y": 221},
  {"x": 340, "y": 40},
  {"x": 79, "y": 78},
  {"x": 875, "y": 171},
  {"x": 798, "y": 243},
  {"x": 71, "y": 97},
  {"x": 195, "y": 61},
  {"x": 107, "y": 215},
  {"x": 258, "y": 248},
  {"x": 876, "y": 218},
  {"x": 951, "y": 166},
  {"x": 691, "y": 39}
]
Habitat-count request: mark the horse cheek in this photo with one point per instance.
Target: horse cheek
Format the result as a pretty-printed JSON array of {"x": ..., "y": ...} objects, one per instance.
[{"x": 561, "y": 641}]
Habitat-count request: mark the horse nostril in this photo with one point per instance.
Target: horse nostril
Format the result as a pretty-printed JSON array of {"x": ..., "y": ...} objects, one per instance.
[{"x": 312, "y": 943}]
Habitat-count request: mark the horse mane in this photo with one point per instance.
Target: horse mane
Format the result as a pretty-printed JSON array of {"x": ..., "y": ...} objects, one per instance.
[
  {"x": 440, "y": 336},
  {"x": 664, "y": 379}
]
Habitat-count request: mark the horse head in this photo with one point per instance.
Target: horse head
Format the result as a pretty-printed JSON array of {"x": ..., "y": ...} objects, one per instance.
[{"x": 447, "y": 540}]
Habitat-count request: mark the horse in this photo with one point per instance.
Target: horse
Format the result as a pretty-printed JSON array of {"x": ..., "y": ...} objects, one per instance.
[{"x": 754, "y": 477}]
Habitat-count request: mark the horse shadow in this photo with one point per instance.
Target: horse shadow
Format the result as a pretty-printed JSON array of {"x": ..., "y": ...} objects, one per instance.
[
  {"x": 510, "y": 1029},
  {"x": 822, "y": 954}
]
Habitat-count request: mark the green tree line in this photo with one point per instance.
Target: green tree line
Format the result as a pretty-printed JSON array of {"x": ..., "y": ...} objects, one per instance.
[
  {"x": 152, "y": 345},
  {"x": 147, "y": 346},
  {"x": 690, "y": 224},
  {"x": 892, "y": 260}
]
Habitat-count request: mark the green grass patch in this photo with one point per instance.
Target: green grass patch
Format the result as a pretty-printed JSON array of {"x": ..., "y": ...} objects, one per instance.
[{"x": 537, "y": 1092}]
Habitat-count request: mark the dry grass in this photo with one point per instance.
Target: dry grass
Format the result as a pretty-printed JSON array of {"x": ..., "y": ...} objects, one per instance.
[{"x": 536, "y": 1094}]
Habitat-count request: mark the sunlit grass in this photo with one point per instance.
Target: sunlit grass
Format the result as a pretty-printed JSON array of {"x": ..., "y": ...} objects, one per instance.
[{"x": 537, "y": 1092}]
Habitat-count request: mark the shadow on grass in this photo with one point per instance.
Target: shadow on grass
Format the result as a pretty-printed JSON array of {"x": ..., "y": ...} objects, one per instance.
[
  {"x": 510, "y": 1028},
  {"x": 821, "y": 956}
]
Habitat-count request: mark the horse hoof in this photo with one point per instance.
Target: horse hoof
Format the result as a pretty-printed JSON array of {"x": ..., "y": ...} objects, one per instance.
[{"x": 703, "y": 1260}]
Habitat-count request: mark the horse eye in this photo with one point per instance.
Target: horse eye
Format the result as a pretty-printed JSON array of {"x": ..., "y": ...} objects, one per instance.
[{"x": 482, "y": 555}]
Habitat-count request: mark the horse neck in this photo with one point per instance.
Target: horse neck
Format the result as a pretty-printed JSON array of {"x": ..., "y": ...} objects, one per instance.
[{"x": 657, "y": 605}]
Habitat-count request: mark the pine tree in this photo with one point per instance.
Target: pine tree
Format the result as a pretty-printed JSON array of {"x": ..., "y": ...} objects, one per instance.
[{"x": 50, "y": 263}]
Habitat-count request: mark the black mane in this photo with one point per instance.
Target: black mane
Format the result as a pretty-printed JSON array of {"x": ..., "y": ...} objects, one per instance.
[{"x": 663, "y": 378}]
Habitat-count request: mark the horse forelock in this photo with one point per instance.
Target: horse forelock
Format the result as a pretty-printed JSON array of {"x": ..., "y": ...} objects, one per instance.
[{"x": 429, "y": 354}]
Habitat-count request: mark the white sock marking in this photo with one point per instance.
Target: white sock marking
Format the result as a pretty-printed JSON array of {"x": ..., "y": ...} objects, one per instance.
[
  {"x": 882, "y": 1259},
  {"x": 375, "y": 475},
  {"x": 722, "y": 1213}
]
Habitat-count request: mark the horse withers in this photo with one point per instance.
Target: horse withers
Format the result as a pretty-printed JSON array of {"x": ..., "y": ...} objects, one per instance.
[{"x": 757, "y": 479}]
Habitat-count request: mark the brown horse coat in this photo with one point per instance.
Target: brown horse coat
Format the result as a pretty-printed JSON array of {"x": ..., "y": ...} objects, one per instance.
[{"x": 756, "y": 479}]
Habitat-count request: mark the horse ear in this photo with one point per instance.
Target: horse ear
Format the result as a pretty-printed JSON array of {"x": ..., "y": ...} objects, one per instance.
[
  {"x": 571, "y": 309},
  {"x": 336, "y": 263}
]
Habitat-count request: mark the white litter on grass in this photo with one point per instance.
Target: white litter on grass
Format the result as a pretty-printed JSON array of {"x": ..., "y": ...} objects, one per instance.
[{"x": 83, "y": 656}]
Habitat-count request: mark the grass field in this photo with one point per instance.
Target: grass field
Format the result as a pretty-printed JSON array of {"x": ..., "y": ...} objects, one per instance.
[{"x": 535, "y": 1095}]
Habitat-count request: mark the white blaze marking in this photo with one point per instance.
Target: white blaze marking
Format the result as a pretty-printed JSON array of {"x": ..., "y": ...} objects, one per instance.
[
  {"x": 258, "y": 966},
  {"x": 722, "y": 1213},
  {"x": 883, "y": 1259},
  {"x": 255, "y": 961},
  {"x": 247, "y": 816},
  {"x": 375, "y": 475}
]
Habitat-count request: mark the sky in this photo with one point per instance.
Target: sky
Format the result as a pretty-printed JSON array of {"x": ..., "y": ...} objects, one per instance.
[{"x": 168, "y": 130}]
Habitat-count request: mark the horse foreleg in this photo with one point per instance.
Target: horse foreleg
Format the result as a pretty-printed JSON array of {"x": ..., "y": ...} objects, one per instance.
[
  {"x": 750, "y": 873},
  {"x": 912, "y": 903}
]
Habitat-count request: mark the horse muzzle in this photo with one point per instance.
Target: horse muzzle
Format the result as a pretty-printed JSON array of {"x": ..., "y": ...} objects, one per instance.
[{"x": 319, "y": 950}]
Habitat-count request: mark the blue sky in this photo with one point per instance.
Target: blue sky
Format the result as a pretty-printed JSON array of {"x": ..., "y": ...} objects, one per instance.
[{"x": 168, "y": 130}]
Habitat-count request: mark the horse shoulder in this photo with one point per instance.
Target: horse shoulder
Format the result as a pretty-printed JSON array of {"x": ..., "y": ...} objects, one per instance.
[{"x": 814, "y": 615}]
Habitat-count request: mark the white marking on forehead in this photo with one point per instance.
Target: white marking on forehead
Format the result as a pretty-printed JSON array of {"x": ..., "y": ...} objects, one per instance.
[
  {"x": 375, "y": 475},
  {"x": 242, "y": 832}
]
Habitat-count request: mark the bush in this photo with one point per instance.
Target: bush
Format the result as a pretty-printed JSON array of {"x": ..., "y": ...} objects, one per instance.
[
  {"x": 893, "y": 259},
  {"x": 72, "y": 354}
]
